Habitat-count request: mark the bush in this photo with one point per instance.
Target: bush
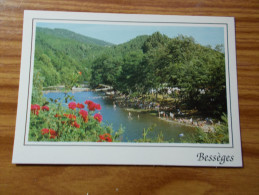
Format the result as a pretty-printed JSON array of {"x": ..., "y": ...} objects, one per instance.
[{"x": 73, "y": 123}]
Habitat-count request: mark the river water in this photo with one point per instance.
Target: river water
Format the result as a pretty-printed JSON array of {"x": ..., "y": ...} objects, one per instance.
[{"x": 134, "y": 125}]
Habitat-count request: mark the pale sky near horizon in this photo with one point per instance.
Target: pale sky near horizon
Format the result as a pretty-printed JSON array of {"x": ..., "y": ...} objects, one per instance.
[{"x": 118, "y": 34}]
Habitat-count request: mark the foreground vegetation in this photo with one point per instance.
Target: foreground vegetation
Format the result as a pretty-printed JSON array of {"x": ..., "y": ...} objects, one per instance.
[{"x": 72, "y": 123}]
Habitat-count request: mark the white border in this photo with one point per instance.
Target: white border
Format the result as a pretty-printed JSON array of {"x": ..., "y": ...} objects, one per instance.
[{"x": 122, "y": 153}]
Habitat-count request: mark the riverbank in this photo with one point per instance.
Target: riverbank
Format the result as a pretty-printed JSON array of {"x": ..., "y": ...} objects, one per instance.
[
  {"x": 199, "y": 124},
  {"x": 165, "y": 111},
  {"x": 205, "y": 125}
]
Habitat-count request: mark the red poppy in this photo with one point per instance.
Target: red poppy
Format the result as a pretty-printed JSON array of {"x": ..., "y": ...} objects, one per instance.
[
  {"x": 72, "y": 105},
  {"x": 80, "y": 105},
  {"x": 98, "y": 117},
  {"x": 45, "y": 108}
]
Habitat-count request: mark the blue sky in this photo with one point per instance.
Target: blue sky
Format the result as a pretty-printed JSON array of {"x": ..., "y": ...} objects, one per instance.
[{"x": 118, "y": 34}]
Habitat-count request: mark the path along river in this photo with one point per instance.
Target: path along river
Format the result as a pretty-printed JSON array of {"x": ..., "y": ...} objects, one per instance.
[{"x": 134, "y": 125}]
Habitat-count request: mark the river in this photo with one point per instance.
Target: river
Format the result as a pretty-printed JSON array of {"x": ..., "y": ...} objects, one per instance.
[{"x": 134, "y": 125}]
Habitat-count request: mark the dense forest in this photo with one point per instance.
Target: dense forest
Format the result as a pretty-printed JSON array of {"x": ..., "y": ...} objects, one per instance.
[{"x": 146, "y": 64}]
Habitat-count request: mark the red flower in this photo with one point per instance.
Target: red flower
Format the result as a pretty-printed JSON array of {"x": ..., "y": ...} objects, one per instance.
[
  {"x": 83, "y": 113},
  {"x": 75, "y": 124},
  {"x": 80, "y": 105},
  {"x": 92, "y": 106},
  {"x": 85, "y": 119},
  {"x": 51, "y": 132},
  {"x": 45, "y": 108},
  {"x": 87, "y": 102},
  {"x": 80, "y": 73},
  {"x": 44, "y": 131},
  {"x": 57, "y": 115},
  {"x": 108, "y": 139},
  {"x": 105, "y": 137},
  {"x": 98, "y": 117},
  {"x": 35, "y": 109},
  {"x": 98, "y": 106},
  {"x": 72, "y": 105},
  {"x": 70, "y": 116}
]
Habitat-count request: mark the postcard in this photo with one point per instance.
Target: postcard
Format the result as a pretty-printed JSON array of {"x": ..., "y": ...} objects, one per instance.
[{"x": 126, "y": 89}]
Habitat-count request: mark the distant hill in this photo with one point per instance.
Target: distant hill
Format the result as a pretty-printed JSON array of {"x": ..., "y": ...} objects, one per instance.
[{"x": 63, "y": 33}]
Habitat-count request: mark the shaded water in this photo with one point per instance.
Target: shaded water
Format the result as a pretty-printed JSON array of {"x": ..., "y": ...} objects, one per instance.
[{"x": 134, "y": 125}]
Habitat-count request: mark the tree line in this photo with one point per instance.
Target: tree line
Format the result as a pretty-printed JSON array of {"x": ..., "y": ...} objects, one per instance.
[
  {"x": 161, "y": 63},
  {"x": 146, "y": 63}
]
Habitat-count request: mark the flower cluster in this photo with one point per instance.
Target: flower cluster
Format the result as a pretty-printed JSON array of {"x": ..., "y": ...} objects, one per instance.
[
  {"x": 98, "y": 117},
  {"x": 105, "y": 138},
  {"x": 74, "y": 116},
  {"x": 70, "y": 116},
  {"x": 80, "y": 106},
  {"x": 51, "y": 132},
  {"x": 72, "y": 122},
  {"x": 72, "y": 105},
  {"x": 75, "y": 124},
  {"x": 35, "y": 108},
  {"x": 84, "y": 115},
  {"x": 92, "y": 106},
  {"x": 45, "y": 108}
]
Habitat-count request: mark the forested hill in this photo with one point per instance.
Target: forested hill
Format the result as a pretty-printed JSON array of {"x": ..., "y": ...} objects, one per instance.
[
  {"x": 135, "y": 67},
  {"x": 161, "y": 63},
  {"x": 60, "y": 53},
  {"x": 63, "y": 33}
]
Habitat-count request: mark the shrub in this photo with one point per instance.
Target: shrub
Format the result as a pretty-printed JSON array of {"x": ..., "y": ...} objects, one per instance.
[{"x": 58, "y": 123}]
